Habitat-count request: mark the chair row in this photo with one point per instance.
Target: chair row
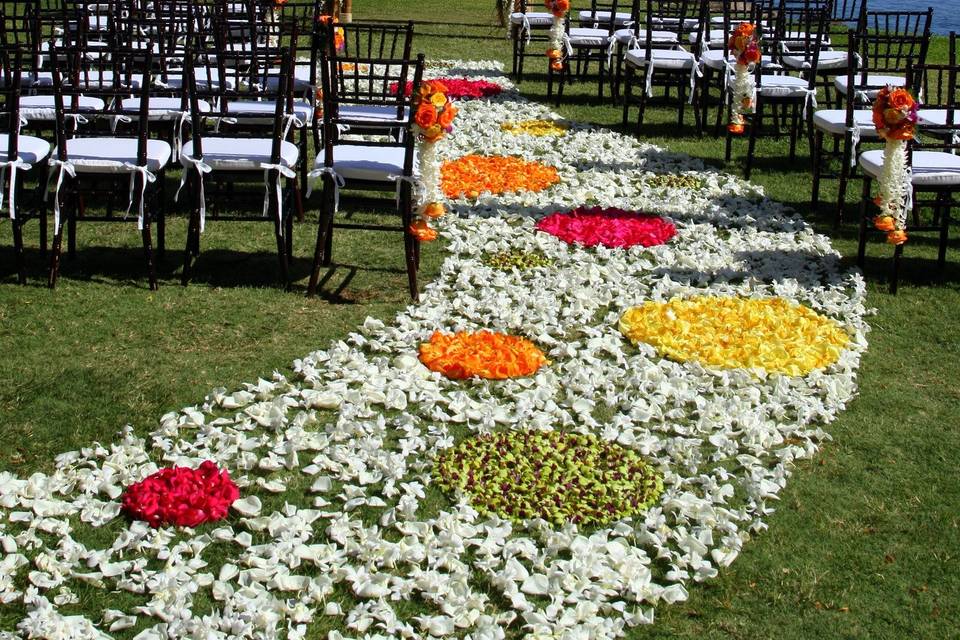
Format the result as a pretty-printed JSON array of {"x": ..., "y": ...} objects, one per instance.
[{"x": 232, "y": 125}]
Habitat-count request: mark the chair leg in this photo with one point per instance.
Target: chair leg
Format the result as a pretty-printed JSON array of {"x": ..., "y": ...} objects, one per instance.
[
  {"x": 161, "y": 217},
  {"x": 862, "y": 237},
  {"x": 18, "y": 250},
  {"x": 724, "y": 102},
  {"x": 72, "y": 230},
  {"x": 617, "y": 72},
  {"x": 564, "y": 75},
  {"x": 318, "y": 252},
  {"x": 55, "y": 247},
  {"x": 601, "y": 76},
  {"x": 550, "y": 78},
  {"x": 43, "y": 212},
  {"x": 794, "y": 131},
  {"x": 298, "y": 197},
  {"x": 627, "y": 93},
  {"x": 148, "y": 254},
  {"x": 817, "y": 169},
  {"x": 703, "y": 96},
  {"x": 278, "y": 228},
  {"x": 192, "y": 250},
  {"x": 944, "y": 231},
  {"x": 682, "y": 94},
  {"x": 895, "y": 275},
  {"x": 755, "y": 123},
  {"x": 847, "y": 155},
  {"x": 642, "y": 104}
]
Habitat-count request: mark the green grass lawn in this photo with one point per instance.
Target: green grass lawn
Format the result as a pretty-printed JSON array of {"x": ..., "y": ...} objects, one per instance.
[{"x": 864, "y": 543}]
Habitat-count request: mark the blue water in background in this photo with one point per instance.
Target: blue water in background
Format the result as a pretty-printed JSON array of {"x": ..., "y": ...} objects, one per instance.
[{"x": 946, "y": 13}]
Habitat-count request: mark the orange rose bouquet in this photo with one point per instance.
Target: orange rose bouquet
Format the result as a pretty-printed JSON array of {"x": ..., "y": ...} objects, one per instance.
[
  {"x": 433, "y": 111},
  {"x": 433, "y": 116},
  {"x": 744, "y": 46},
  {"x": 895, "y": 114},
  {"x": 895, "y": 117}
]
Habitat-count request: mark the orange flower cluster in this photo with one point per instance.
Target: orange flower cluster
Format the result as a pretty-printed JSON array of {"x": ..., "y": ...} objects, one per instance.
[
  {"x": 422, "y": 231},
  {"x": 434, "y": 113},
  {"x": 895, "y": 114},
  {"x": 485, "y": 354},
  {"x": 744, "y": 45},
  {"x": 472, "y": 175},
  {"x": 558, "y": 8}
]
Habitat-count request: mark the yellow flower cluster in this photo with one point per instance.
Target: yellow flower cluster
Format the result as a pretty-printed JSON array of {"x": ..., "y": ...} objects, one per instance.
[
  {"x": 535, "y": 128},
  {"x": 773, "y": 334}
]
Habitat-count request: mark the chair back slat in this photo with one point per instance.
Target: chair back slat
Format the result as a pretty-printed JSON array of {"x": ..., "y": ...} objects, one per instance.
[
  {"x": 10, "y": 109},
  {"x": 890, "y": 39}
]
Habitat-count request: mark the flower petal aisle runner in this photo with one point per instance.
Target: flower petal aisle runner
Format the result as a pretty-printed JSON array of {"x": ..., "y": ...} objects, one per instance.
[{"x": 618, "y": 439}]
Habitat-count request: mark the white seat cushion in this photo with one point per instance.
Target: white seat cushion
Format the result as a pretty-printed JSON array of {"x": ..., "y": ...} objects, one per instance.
[
  {"x": 688, "y": 23},
  {"x": 376, "y": 164},
  {"x": 104, "y": 79},
  {"x": 714, "y": 37},
  {"x": 874, "y": 80},
  {"x": 827, "y": 60},
  {"x": 930, "y": 168},
  {"x": 109, "y": 155},
  {"x": 239, "y": 154},
  {"x": 42, "y": 79},
  {"x": 534, "y": 18},
  {"x": 372, "y": 112},
  {"x": 29, "y": 148},
  {"x": 174, "y": 80},
  {"x": 162, "y": 108},
  {"x": 26, "y": 80},
  {"x": 782, "y": 87},
  {"x": 834, "y": 121},
  {"x": 42, "y": 107},
  {"x": 938, "y": 117},
  {"x": 662, "y": 58},
  {"x": 714, "y": 59},
  {"x": 588, "y": 37},
  {"x": 626, "y": 36},
  {"x": 603, "y": 17},
  {"x": 302, "y": 79},
  {"x": 303, "y": 110}
]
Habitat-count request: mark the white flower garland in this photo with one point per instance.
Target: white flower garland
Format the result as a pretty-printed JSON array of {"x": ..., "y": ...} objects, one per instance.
[
  {"x": 334, "y": 465},
  {"x": 744, "y": 93},
  {"x": 895, "y": 183},
  {"x": 429, "y": 173}
]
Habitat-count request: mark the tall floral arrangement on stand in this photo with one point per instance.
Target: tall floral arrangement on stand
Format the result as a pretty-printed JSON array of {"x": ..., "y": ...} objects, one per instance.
[
  {"x": 745, "y": 47},
  {"x": 895, "y": 116},
  {"x": 559, "y": 9},
  {"x": 433, "y": 117}
]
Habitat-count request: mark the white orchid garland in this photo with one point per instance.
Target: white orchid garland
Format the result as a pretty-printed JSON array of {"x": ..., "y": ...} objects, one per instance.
[{"x": 339, "y": 523}]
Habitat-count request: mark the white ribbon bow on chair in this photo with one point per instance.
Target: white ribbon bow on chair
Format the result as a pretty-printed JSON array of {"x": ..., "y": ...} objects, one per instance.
[
  {"x": 526, "y": 28},
  {"x": 854, "y": 132},
  {"x": 147, "y": 177},
  {"x": 285, "y": 172},
  {"x": 416, "y": 185},
  {"x": 290, "y": 120},
  {"x": 61, "y": 167},
  {"x": 116, "y": 119},
  {"x": 178, "y": 133},
  {"x": 338, "y": 183},
  {"x": 202, "y": 168},
  {"x": 77, "y": 118},
  {"x": 13, "y": 165}
]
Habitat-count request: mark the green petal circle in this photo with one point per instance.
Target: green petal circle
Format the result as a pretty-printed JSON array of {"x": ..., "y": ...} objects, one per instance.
[{"x": 555, "y": 476}]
